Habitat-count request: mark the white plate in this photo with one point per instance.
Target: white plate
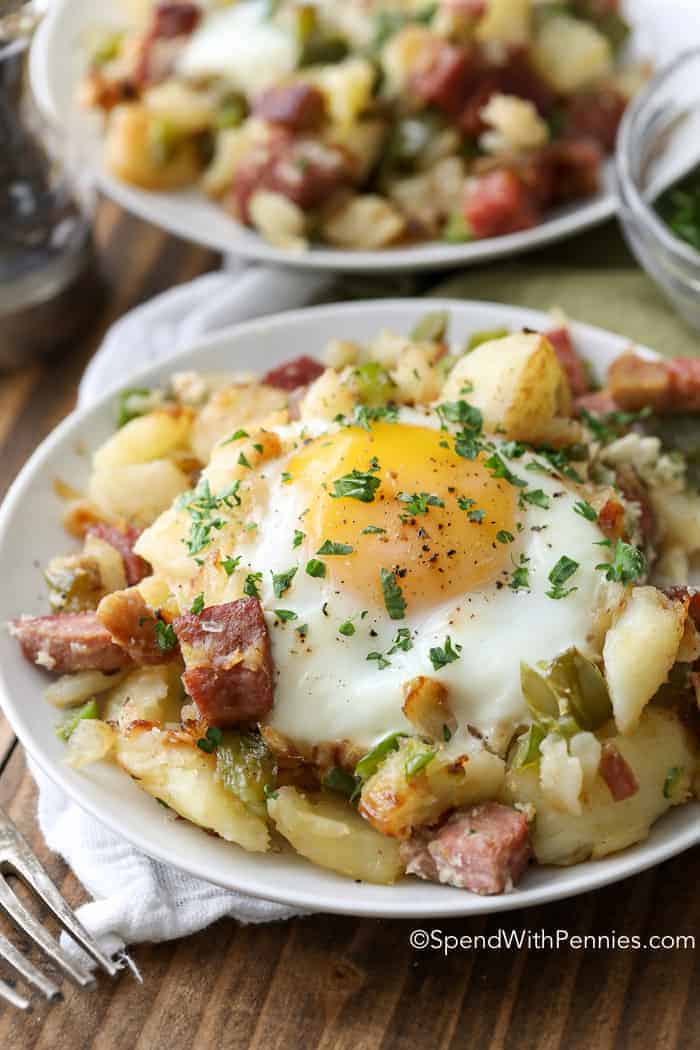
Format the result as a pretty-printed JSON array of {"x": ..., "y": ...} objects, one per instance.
[
  {"x": 30, "y": 533},
  {"x": 57, "y": 63}
]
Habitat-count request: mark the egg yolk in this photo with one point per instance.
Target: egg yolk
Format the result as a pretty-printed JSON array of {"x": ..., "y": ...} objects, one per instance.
[{"x": 426, "y": 514}]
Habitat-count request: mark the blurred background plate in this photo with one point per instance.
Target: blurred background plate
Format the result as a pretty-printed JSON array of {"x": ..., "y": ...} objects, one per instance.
[{"x": 660, "y": 31}]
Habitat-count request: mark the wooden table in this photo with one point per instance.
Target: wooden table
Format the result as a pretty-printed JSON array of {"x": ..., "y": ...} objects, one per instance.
[{"x": 331, "y": 982}]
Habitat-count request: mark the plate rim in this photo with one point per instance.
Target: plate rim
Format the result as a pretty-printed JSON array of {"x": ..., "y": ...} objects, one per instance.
[
  {"x": 587, "y": 876},
  {"x": 432, "y": 255}
]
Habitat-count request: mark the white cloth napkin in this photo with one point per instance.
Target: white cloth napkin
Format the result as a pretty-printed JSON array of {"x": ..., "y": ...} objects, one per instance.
[{"x": 136, "y": 898}]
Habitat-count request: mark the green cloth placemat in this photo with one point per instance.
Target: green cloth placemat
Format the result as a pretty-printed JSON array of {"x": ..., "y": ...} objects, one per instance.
[{"x": 593, "y": 278}]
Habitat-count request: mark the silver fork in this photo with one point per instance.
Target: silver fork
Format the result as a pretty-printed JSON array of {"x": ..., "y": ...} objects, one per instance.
[{"x": 17, "y": 859}]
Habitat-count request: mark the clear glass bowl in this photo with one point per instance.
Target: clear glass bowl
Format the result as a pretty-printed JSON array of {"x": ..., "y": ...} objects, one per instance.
[{"x": 658, "y": 144}]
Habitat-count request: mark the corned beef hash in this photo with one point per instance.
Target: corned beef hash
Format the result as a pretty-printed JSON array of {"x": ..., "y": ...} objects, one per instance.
[
  {"x": 367, "y": 123},
  {"x": 421, "y": 609}
]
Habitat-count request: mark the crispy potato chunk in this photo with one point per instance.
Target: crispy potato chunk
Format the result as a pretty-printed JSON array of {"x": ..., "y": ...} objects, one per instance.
[
  {"x": 149, "y": 437},
  {"x": 130, "y": 153},
  {"x": 365, "y": 222},
  {"x": 658, "y": 747},
  {"x": 640, "y": 650},
  {"x": 505, "y": 22},
  {"x": 138, "y": 492},
  {"x": 427, "y": 708},
  {"x": 395, "y": 802},
  {"x": 231, "y": 408},
  {"x": 149, "y": 694},
  {"x": 170, "y": 766},
  {"x": 71, "y": 690},
  {"x": 517, "y": 383},
  {"x": 329, "y": 833},
  {"x": 571, "y": 53}
]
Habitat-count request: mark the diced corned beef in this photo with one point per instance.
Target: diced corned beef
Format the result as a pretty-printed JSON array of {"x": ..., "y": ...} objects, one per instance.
[
  {"x": 499, "y": 203},
  {"x": 228, "y": 663},
  {"x": 596, "y": 115},
  {"x": 68, "y": 642},
  {"x": 574, "y": 169},
  {"x": 305, "y": 171},
  {"x": 485, "y": 849},
  {"x": 635, "y": 491},
  {"x": 132, "y": 625},
  {"x": 445, "y": 80},
  {"x": 599, "y": 403},
  {"x": 123, "y": 541},
  {"x": 299, "y": 107},
  {"x": 169, "y": 20},
  {"x": 665, "y": 386},
  {"x": 292, "y": 374},
  {"x": 470, "y": 120},
  {"x": 617, "y": 773},
  {"x": 560, "y": 338},
  {"x": 686, "y": 594},
  {"x": 611, "y": 519}
]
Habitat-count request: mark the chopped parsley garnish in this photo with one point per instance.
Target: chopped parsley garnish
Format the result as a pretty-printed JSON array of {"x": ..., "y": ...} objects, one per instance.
[
  {"x": 560, "y": 574},
  {"x": 331, "y": 548},
  {"x": 165, "y": 636},
  {"x": 499, "y": 469},
  {"x": 608, "y": 427},
  {"x": 229, "y": 565},
  {"x": 236, "y": 437},
  {"x": 536, "y": 497},
  {"x": 281, "y": 581},
  {"x": 243, "y": 462},
  {"x": 370, "y": 530},
  {"x": 513, "y": 449},
  {"x": 347, "y": 629},
  {"x": 503, "y": 536},
  {"x": 418, "y": 503},
  {"x": 302, "y": 630},
  {"x": 441, "y": 656},
  {"x": 520, "y": 576},
  {"x": 585, "y": 510},
  {"x": 299, "y": 538},
  {"x": 367, "y": 414},
  {"x": 285, "y": 477},
  {"x": 402, "y": 642},
  {"x": 393, "y": 596},
  {"x": 559, "y": 460},
  {"x": 468, "y": 442},
  {"x": 315, "y": 568},
  {"x": 446, "y": 734},
  {"x": 250, "y": 587},
  {"x": 672, "y": 780},
  {"x": 417, "y": 763},
  {"x": 477, "y": 516},
  {"x": 211, "y": 740},
  {"x": 285, "y": 615},
  {"x": 358, "y": 484},
  {"x": 627, "y": 566},
  {"x": 269, "y": 792},
  {"x": 338, "y": 779},
  {"x": 197, "y": 604},
  {"x": 465, "y": 503},
  {"x": 201, "y": 505}
]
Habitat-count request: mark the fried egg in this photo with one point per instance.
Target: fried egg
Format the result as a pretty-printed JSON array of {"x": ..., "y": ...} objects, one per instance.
[{"x": 380, "y": 554}]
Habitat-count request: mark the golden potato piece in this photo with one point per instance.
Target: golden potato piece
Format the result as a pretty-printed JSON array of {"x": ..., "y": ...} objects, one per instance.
[
  {"x": 329, "y": 833},
  {"x": 170, "y": 766},
  {"x": 131, "y": 152},
  {"x": 516, "y": 382},
  {"x": 427, "y": 708},
  {"x": 153, "y": 436}
]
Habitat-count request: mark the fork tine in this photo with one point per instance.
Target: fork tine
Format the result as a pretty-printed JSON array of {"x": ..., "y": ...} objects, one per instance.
[
  {"x": 27, "y": 970},
  {"x": 12, "y": 997},
  {"x": 36, "y": 932},
  {"x": 21, "y": 860}
]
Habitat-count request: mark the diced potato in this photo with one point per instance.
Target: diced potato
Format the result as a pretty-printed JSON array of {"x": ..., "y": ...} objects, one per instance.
[
  {"x": 396, "y": 803},
  {"x": 586, "y": 748},
  {"x": 341, "y": 352},
  {"x": 279, "y": 220},
  {"x": 91, "y": 741},
  {"x": 366, "y": 222},
  {"x": 148, "y": 437},
  {"x": 347, "y": 87},
  {"x": 188, "y": 110},
  {"x": 561, "y": 775},
  {"x": 130, "y": 153},
  {"x": 411, "y": 49},
  {"x": 640, "y": 650},
  {"x": 417, "y": 382},
  {"x": 513, "y": 124},
  {"x": 432, "y": 195},
  {"x": 138, "y": 492},
  {"x": 571, "y": 53},
  {"x": 659, "y": 745},
  {"x": 231, "y": 408},
  {"x": 150, "y": 694},
  {"x": 71, "y": 690},
  {"x": 170, "y": 766},
  {"x": 505, "y": 22},
  {"x": 232, "y": 147},
  {"x": 516, "y": 381},
  {"x": 427, "y": 708},
  {"x": 329, "y": 833},
  {"x": 109, "y": 562},
  {"x": 672, "y": 568},
  {"x": 679, "y": 517},
  {"x": 327, "y": 397},
  {"x": 362, "y": 142}
]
